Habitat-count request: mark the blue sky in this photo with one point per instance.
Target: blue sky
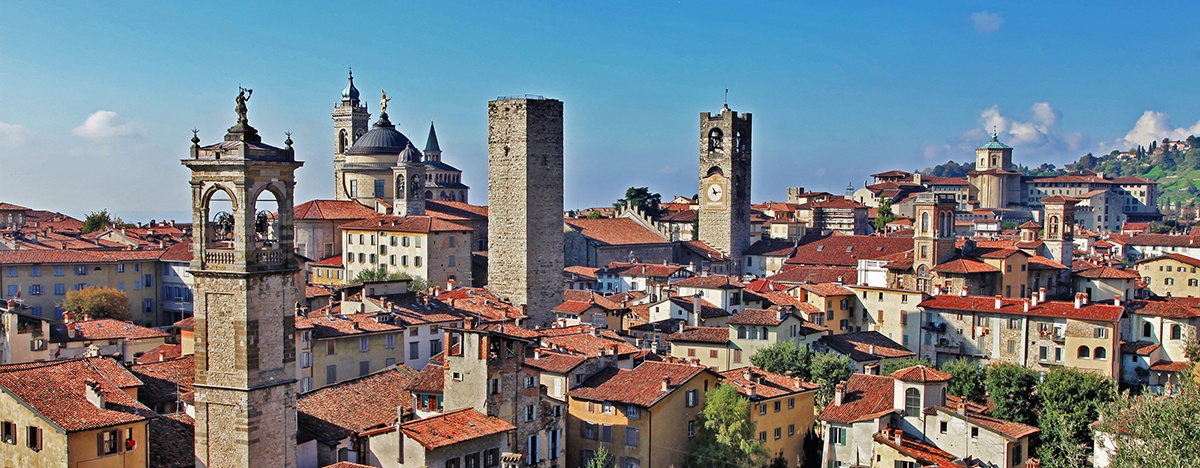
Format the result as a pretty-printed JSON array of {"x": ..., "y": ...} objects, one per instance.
[{"x": 97, "y": 98}]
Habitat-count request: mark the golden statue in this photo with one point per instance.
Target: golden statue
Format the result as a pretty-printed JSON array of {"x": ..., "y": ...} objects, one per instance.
[{"x": 383, "y": 101}]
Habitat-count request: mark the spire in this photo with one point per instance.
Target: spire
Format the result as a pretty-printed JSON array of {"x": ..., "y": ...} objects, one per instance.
[
  {"x": 432, "y": 144},
  {"x": 350, "y": 94}
]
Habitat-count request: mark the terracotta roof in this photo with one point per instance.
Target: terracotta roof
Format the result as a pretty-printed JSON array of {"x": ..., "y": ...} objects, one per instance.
[
  {"x": 181, "y": 252},
  {"x": 1056, "y": 309},
  {"x": 51, "y": 256},
  {"x": 761, "y": 285},
  {"x": 583, "y": 272},
  {"x": 964, "y": 266},
  {"x": 455, "y": 211},
  {"x": 701, "y": 335},
  {"x": 329, "y": 326},
  {"x": 166, "y": 381},
  {"x": 926, "y": 455},
  {"x": 579, "y": 339},
  {"x": 997, "y": 253},
  {"x": 866, "y": 346},
  {"x": 186, "y": 324},
  {"x": 454, "y": 427},
  {"x": 479, "y": 301},
  {"x": 333, "y": 209},
  {"x": 1174, "y": 256},
  {"x": 921, "y": 374},
  {"x": 641, "y": 386},
  {"x": 769, "y": 317},
  {"x": 174, "y": 439},
  {"x": 893, "y": 173},
  {"x": 866, "y": 397},
  {"x": 550, "y": 361},
  {"x": 579, "y": 295},
  {"x": 416, "y": 223},
  {"x": 574, "y": 307},
  {"x": 707, "y": 309},
  {"x": 771, "y": 248},
  {"x": 161, "y": 352},
  {"x": 431, "y": 379},
  {"x": 704, "y": 250},
  {"x": 1040, "y": 262},
  {"x": 1140, "y": 348},
  {"x": 785, "y": 299},
  {"x": 1156, "y": 240},
  {"x": 656, "y": 270},
  {"x": 361, "y": 404},
  {"x": 711, "y": 282},
  {"x": 110, "y": 329},
  {"x": 616, "y": 231},
  {"x": 827, "y": 289},
  {"x": 795, "y": 274},
  {"x": 334, "y": 261},
  {"x": 766, "y": 384},
  {"x": 846, "y": 250},
  {"x": 1107, "y": 272},
  {"x": 1168, "y": 366},
  {"x": 1168, "y": 309},
  {"x": 56, "y": 390},
  {"x": 4, "y": 206}
]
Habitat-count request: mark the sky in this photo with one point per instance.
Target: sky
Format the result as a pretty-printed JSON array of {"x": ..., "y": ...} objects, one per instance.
[{"x": 98, "y": 99}]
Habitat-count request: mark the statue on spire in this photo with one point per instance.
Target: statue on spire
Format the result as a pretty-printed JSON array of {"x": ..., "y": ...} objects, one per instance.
[
  {"x": 240, "y": 108},
  {"x": 383, "y": 101}
]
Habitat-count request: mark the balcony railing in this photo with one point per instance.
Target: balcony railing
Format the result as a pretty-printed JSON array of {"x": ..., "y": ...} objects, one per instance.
[{"x": 219, "y": 257}]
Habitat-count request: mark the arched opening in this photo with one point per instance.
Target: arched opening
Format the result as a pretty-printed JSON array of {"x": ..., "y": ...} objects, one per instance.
[
  {"x": 1084, "y": 353},
  {"x": 715, "y": 170},
  {"x": 1053, "y": 226},
  {"x": 400, "y": 189},
  {"x": 1147, "y": 330},
  {"x": 343, "y": 141},
  {"x": 220, "y": 226},
  {"x": 742, "y": 332},
  {"x": 763, "y": 333},
  {"x": 266, "y": 219},
  {"x": 740, "y": 141},
  {"x": 442, "y": 195},
  {"x": 715, "y": 137},
  {"x": 1176, "y": 332},
  {"x": 912, "y": 402},
  {"x": 1100, "y": 353},
  {"x": 429, "y": 194},
  {"x": 925, "y": 223}
]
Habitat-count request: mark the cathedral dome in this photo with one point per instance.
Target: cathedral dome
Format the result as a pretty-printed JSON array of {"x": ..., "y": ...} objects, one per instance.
[
  {"x": 382, "y": 139},
  {"x": 410, "y": 154}
]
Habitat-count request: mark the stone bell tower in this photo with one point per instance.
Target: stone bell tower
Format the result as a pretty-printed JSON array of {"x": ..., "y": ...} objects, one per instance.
[
  {"x": 246, "y": 293},
  {"x": 933, "y": 238},
  {"x": 409, "y": 176},
  {"x": 725, "y": 183},
  {"x": 350, "y": 121},
  {"x": 1058, "y": 217}
]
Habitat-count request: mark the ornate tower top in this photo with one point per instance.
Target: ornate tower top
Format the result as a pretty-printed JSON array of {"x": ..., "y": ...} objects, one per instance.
[
  {"x": 242, "y": 131},
  {"x": 350, "y": 94}
]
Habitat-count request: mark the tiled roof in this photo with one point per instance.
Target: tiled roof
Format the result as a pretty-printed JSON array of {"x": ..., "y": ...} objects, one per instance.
[
  {"x": 1107, "y": 272},
  {"x": 701, "y": 335},
  {"x": 707, "y": 309},
  {"x": 361, "y": 404},
  {"x": 56, "y": 390},
  {"x": 550, "y": 361},
  {"x": 329, "y": 326},
  {"x": 785, "y": 299},
  {"x": 454, "y": 427},
  {"x": 416, "y": 223},
  {"x": 187, "y": 323},
  {"x": 166, "y": 381},
  {"x": 766, "y": 384},
  {"x": 161, "y": 352},
  {"x": 926, "y": 455},
  {"x": 771, "y": 248},
  {"x": 866, "y": 397},
  {"x": 582, "y": 272},
  {"x": 174, "y": 438},
  {"x": 1156, "y": 240},
  {"x": 655, "y": 270},
  {"x": 1174, "y": 256},
  {"x": 827, "y": 289},
  {"x": 1055, "y": 309},
  {"x": 455, "y": 211},
  {"x": 482, "y": 303},
  {"x": 846, "y": 250},
  {"x": 110, "y": 329},
  {"x": 764, "y": 285},
  {"x": 1040, "y": 262},
  {"x": 1168, "y": 366},
  {"x": 1168, "y": 309},
  {"x": 431, "y": 379},
  {"x": 616, "y": 231},
  {"x": 711, "y": 282},
  {"x": 921, "y": 374},
  {"x": 333, "y": 209},
  {"x": 641, "y": 386},
  {"x": 964, "y": 266},
  {"x": 704, "y": 250},
  {"x": 579, "y": 339},
  {"x": 1140, "y": 348},
  {"x": 579, "y": 295},
  {"x": 866, "y": 346},
  {"x": 181, "y": 252},
  {"x": 334, "y": 261},
  {"x": 795, "y": 274},
  {"x": 769, "y": 317},
  {"x": 574, "y": 307},
  {"x": 4, "y": 206},
  {"x": 51, "y": 256}
]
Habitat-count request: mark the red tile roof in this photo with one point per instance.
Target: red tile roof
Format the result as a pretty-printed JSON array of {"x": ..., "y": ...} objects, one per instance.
[
  {"x": 392, "y": 223},
  {"x": 1155, "y": 240},
  {"x": 641, "y": 386},
  {"x": 1141, "y": 348},
  {"x": 582, "y": 272},
  {"x": 796, "y": 274},
  {"x": 455, "y": 211},
  {"x": 1168, "y": 309},
  {"x": 550, "y": 361},
  {"x": 616, "y": 231},
  {"x": 866, "y": 346},
  {"x": 361, "y": 404},
  {"x": 51, "y": 256},
  {"x": 921, "y": 374},
  {"x": 166, "y": 381},
  {"x": 333, "y": 209},
  {"x": 329, "y": 326},
  {"x": 1055, "y": 309},
  {"x": 766, "y": 384},
  {"x": 827, "y": 289},
  {"x": 181, "y": 252},
  {"x": 772, "y": 248},
  {"x": 964, "y": 266},
  {"x": 866, "y": 397},
  {"x": 454, "y": 427},
  {"x": 110, "y": 329},
  {"x": 718, "y": 335},
  {"x": 704, "y": 250},
  {"x": 1174, "y": 256},
  {"x": 431, "y": 379},
  {"x": 335, "y": 261},
  {"x": 656, "y": 270},
  {"x": 579, "y": 339},
  {"x": 1107, "y": 272},
  {"x": 161, "y": 352},
  {"x": 711, "y": 282},
  {"x": 926, "y": 455},
  {"x": 187, "y": 323},
  {"x": 574, "y": 307},
  {"x": 846, "y": 250},
  {"x": 1040, "y": 262},
  {"x": 770, "y": 317},
  {"x": 56, "y": 390},
  {"x": 1168, "y": 366}
]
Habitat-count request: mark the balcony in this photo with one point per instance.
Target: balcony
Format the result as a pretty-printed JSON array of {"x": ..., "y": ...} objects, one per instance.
[
  {"x": 934, "y": 327},
  {"x": 219, "y": 257}
]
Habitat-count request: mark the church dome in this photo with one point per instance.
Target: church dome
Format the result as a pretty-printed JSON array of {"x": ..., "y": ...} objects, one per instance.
[
  {"x": 382, "y": 139},
  {"x": 410, "y": 154}
]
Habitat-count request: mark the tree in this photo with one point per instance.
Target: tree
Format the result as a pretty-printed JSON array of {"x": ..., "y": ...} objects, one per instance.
[
  {"x": 1009, "y": 225},
  {"x": 782, "y": 357},
  {"x": 1013, "y": 389},
  {"x": 641, "y": 198},
  {"x": 98, "y": 302},
  {"x": 893, "y": 366},
  {"x": 885, "y": 213},
  {"x": 967, "y": 380},
  {"x": 98, "y": 220},
  {"x": 1071, "y": 401},
  {"x": 380, "y": 274},
  {"x": 828, "y": 370},
  {"x": 601, "y": 459},
  {"x": 1152, "y": 429},
  {"x": 726, "y": 436}
]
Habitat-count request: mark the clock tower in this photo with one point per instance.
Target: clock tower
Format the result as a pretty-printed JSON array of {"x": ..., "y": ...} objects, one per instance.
[{"x": 725, "y": 183}]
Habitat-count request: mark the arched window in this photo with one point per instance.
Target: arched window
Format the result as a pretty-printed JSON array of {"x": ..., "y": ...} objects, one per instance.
[
  {"x": 342, "y": 141},
  {"x": 925, "y": 222},
  {"x": 714, "y": 139},
  {"x": 742, "y": 332},
  {"x": 1176, "y": 332},
  {"x": 912, "y": 402},
  {"x": 1147, "y": 330},
  {"x": 763, "y": 333},
  {"x": 429, "y": 195},
  {"x": 1084, "y": 353},
  {"x": 1053, "y": 226},
  {"x": 753, "y": 334},
  {"x": 1101, "y": 353}
]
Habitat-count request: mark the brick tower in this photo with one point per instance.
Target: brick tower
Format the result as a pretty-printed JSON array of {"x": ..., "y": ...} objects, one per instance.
[
  {"x": 725, "y": 183},
  {"x": 933, "y": 239},
  {"x": 245, "y": 299},
  {"x": 525, "y": 203},
  {"x": 1058, "y": 218},
  {"x": 350, "y": 121}
]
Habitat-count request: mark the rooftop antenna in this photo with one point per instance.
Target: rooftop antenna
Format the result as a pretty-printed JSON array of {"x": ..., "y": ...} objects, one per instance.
[{"x": 726, "y": 95}]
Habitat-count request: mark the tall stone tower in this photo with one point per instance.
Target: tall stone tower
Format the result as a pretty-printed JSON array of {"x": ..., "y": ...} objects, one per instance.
[
  {"x": 994, "y": 176},
  {"x": 246, "y": 296},
  {"x": 933, "y": 240},
  {"x": 725, "y": 183},
  {"x": 525, "y": 203},
  {"x": 1058, "y": 219},
  {"x": 350, "y": 121},
  {"x": 409, "y": 176}
]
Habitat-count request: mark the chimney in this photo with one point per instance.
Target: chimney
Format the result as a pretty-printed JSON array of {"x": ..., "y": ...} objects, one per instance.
[
  {"x": 537, "y": 353},
  {"x": 963, "y": 292},
  {"x": 1041, "y": 294},
  {"x": 1078, "y": 300},
  {"x": 748, "y": 375},
  {"x": 697, "y": 307},
  {"x": 469, "y": 323},
  {"x": 780, "y": 314},
  {"x": 666, "y": 383},
  {"x": 1117, "y": 300},
  {"x": 899, "y": 434},
  {"x": 595, "y": 331},
  {"x": 93, "y": 392},
  {"x": 962, "y": 408},
  {"x": 839, "y": 393},
  {"x": 1085, "y": 298},
  {"x": 999, "y": 302},
  {"x": 450, "y": 284},
  {"x": 1033, "y": 299},
  {"x": 356, "y": 326},
  {"x": 1026, "y": 305},
  {"x": 871, "y": 350},
  {"x": 752, "y": 389},
  {"x": 704, "y": 272}
]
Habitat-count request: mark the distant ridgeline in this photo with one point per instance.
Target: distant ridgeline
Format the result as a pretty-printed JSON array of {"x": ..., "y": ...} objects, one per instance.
[{"x": 1174, "y": 164}]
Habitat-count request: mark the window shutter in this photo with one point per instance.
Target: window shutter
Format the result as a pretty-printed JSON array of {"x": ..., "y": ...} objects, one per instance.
[{"x": 100, "y": 444}]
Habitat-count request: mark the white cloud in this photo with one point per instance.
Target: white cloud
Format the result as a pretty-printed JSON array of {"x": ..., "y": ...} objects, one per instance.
[
  {"x": 1151, "y": 126},
  {"x": 668, "y": 170},
  {"x": 107, "y": 124},
  {"x": 13, "y": 135},
  {"x": 986, "y": 22},
  {"x": 1038, "y": 138}
]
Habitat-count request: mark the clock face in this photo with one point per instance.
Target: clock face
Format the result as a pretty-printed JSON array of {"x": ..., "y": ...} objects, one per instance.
[{"x": 715, "y": 192}]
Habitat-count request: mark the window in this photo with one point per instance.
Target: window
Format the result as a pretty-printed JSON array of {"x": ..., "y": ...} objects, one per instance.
[
  {"x": 606, "y": 433},
  {"x": 791, "y": 402},
  {"x": 451, "y": 463},
  {"x": 778, "y": 405},
  {"x": 435, "y": 346},
  {"x": 1100, "y": 353},
  {"x": 837, "y": 436},
  {"x": 417, "y": 261},
  {"x": 1043, "y": 353},
  {"x": 13, "y": 290},
  {"x": 8, "y": 432},
  {"x": 912, "y": 402},
  {"x": 712, "y": 353},
  {"x": 791, "y": 430},
  {"x": 106, "y": 442},
  {"x": 1058, "y": 354},
  {"x": 391, "y": 341},
  {"x": 1176, "y": 332},
  {"x": 691, "y": 398},
  {"x": 60, "y": 289},
  {"x": 305, "y": 360},
  {"x": 58, "y": 271},
  {"x": 762, "y": 436},
  {"x": 1084, "y": 353},
  {"x": 631, "y": 411},
  {"x": 35, "y": 290},
  {"x": 12, "y": 272},
  {"x": 974, "y": 432},
  {"x": 330, "y": 348},
  {"x": 588, "y": 430},
  {"x": 1101, "y": 332},
  {"x": 691, "y": 430},
  {"x": 531, "y": 381},
  {"x": 691, "y": 352},
  {"x": 363, "y": 344},
  {"x": 762, "y": 409},
  {"x": 1014, "y": 323},
  {"x": 491, "y": 457},
  {"x": 606, "y": 408},
  {"x": 942, "y": 426},
  {"x": 331, "y": 374},
  {"x": 631, "y": 436},
  {"x": 1168, "y": 281},
  {"x": 493, "y": 386},
  {"x": 1012, "y": 346},
  {"x": 35, "y": 271},
  {"x": 1147, "y": 330},
  {"x": 529, "y": 413}
]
